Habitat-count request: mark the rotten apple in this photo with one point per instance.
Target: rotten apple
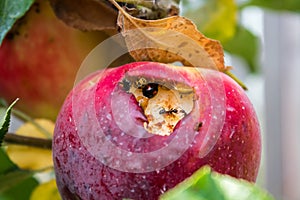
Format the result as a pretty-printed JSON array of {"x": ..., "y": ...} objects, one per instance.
[
  {"x": 39, "y": 59},
  {"x": 135, "y": 131}
]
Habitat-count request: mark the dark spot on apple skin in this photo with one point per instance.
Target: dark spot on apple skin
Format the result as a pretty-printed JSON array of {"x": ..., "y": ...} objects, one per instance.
[
  {"x": 198, "y": 126},
  {"x": 10, "y": 36},
  {"x": 37, "y": 10},
  {"x": 36, "y": 7},
  {"x": 57, "y": 162}
]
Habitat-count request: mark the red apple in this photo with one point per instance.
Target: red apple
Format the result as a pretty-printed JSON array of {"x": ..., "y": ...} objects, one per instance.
[
  {"x": 39, "y": 59},
  {"x": 135, "y": 131}
]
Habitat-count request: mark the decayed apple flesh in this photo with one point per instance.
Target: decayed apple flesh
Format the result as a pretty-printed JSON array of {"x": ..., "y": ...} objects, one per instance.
[
  {"x": 164, "y": 104},
  {"x": 138, "y": 130}
]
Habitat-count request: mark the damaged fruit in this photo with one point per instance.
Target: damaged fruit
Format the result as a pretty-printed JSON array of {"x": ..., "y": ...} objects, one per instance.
[
  {"x": 164, "y": 105},
  {"x": 136, "y": 131}
]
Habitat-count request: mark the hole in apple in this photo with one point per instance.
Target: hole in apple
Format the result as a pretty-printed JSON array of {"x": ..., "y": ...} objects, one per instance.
[{"x": 163, "y": 103}]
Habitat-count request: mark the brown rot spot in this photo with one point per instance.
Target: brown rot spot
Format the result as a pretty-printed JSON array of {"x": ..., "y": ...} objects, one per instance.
[{"x": 198, "y": 126}]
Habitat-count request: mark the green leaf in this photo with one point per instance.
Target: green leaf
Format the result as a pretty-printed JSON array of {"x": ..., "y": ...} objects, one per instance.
[
  {"x": 280, "y": 5},
  {"x": 14, "y": 183},
  {"x": 20, "y": 191},
  {"x": 246, "y": 46},
  {"x": 13, "y": 178},
  {"x": 214, "y": 18},
  {"x": 10, "y": 12},
  {"x": 6, "y": 164},
  {"x": 5, "y": 120},
  {"x": 207, "y": 185}
]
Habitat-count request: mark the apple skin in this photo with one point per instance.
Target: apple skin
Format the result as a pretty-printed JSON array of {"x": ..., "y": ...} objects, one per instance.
[
  {"x": 80, "y": 174},
  {"x": 39, "y": 59}
]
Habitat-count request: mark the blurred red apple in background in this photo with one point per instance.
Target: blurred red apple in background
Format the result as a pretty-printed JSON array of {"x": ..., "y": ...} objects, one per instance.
[
  {"x": 39, "y": 59},
  {"x": 135, "y": 131}
]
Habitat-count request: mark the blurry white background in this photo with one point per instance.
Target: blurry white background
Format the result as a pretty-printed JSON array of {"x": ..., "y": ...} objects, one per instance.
[{"x": 275, "y": 93}]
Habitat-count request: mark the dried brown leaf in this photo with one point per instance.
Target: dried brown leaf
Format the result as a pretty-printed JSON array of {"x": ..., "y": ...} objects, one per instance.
[
  {"x": 169, "y": 40},
  {"x": 86, "y": 14}
]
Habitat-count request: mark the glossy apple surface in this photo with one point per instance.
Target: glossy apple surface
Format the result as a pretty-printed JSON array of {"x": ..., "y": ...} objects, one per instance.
[
  {"x": 108, "y": 143},
  {"x": 39, "y": 59}
]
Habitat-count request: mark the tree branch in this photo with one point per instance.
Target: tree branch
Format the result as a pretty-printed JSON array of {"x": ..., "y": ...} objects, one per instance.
[{"x": 12, "y": 138}]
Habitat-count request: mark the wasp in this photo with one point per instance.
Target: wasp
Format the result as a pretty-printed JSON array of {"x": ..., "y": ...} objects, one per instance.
[{"x": 171, "y": 111}]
